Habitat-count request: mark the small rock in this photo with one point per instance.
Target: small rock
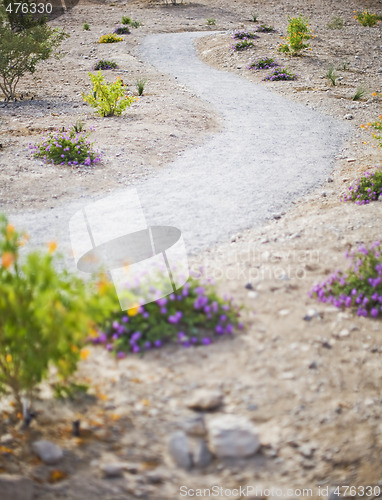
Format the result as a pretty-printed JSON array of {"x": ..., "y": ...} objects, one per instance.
[
  {"x": 348, "y": 116},
  {"x": 232, "y": 436},
  {"x": 249, "y": 286},
  {"x": 329, "y": 179},
  {"x": 6, "y": 439},
  {"x": 112, "y": 470},
  {"x": 204, "y": 399},
  {"x": 323, "y": 194},
  {"x": 154, "y": 478},
  {"x": 179, "y": 449},
  {"x": 48, "y": 452},
  {"x": 310, "y": 314},
  {"x": 202, "y": 455},
  {"x": 306, "y": 450},
  {"x": 313, "y": 365},
  {"x": 16, "y": 488},
  {"x": 194, "y": 426},
  {"x": 344, "y": 333}
]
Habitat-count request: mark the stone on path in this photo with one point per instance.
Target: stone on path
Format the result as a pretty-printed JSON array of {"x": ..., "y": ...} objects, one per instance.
[
  {"x": 48, "y": 452},
  {"x": 179, "y": 449},
  {"x": 112, "y": 470},
  {"x": 205, "y": 400},
  {"x": 232, "y": 436},
  {"x": 15, "y": 488}
]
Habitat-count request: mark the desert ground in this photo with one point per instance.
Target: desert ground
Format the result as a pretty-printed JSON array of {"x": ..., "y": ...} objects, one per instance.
[{"x": 306, "y": 374}]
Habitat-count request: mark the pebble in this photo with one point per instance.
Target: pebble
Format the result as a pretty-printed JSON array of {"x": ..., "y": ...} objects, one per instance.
[
  {"x": 48, "y": 452},
  {"x": 16, "y": 488},
  {"x": 202, "y": 455},
  {"x": 179, "y": 449},
  {"x": 204, "y": 399},
  {"x": 194, "y": 426},
  {"x": 232, "y": 436},
  {"x": 310, "y": 314},
  {"x": 348, "y": 116},
  {"x": 344, "y": 333},
  {"x": 112, "y": 470},
  {"x": 6, "y": 439},
  {"x": 306, "y": 450}
]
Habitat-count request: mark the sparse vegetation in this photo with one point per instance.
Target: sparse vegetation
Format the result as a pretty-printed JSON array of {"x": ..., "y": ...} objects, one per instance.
[
  {"x": 331, "y": 75},
  {"x": 336, "y": 23}
]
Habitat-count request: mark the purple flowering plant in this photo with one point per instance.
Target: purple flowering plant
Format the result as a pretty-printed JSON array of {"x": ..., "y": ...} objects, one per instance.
[
  {"x": 104, "y": 64},
  {"x": 263, "y": 28},
  {"x": 366, "y": 189},
  {"x": 360, "y": 287},
  {"x": 280, "y": 74},
  {"x": 263, "y": 63},
  {"x": 194, "y": 315},
  {"x": 66, "y": 147},
  {"x": 121, "y": 30},
  {"x": 244, "y": 35}
]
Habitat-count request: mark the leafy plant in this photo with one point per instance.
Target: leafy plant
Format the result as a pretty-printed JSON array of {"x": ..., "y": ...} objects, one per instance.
[
  {"x": 122, "y": 30},
  {"x": 140, "y": 85},
  {"x": 366, "y": 189},
  {"x": 263, "y": 28},
  {"x": 263, "y": 63},
  {"x": 78, "y": 127},
  {"x": 108, "y": 99},
  {"x": 280, "y": 74},
  {"x": 45, "y": 315},
  {"x": 298, "y": 32},
  {"x": 366, "y": 18},
  {"x": 191, "y": 316},
  {"x": 104, "y": 64},
  {"x": 254, "y": 18},
  {"x": 242, "y": 45},
  {"x": 377, "y": 126},
  {"x": 359, "y": 288},
  {"x": 86, "y": 27},
  {"x": 110, "y": 38},
  {"x": 135, "y": 24},
  {"x": 21, "y": 51},
  {"x": 126, "y": 20},
  {"x": 331, "y": 74},
  {"x": 211, "y": 22},
  {"x": 244, "y": 35},
  {"x": 336, "y": 23},
  {"x": 67, "y": 147},
  {"x": 359, "y": 93}
]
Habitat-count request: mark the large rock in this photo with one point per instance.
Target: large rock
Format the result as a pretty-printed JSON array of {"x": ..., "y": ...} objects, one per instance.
[
  {"x": 205, "y": 400},
  {"x": 179, "y": 449},
  {"x": 48, "y": 452},
  {"x": 15, "y": 488},
  {"x": 231, "y": 436}
]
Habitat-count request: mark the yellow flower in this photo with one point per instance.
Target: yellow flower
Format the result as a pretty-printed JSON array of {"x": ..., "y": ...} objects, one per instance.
[
  {"x": 10, "y": 230},
  {"x": 52, "y": 246},
  {"x": 74, "y": 348},
  {"x": 84, "y": 354},
  {"x": 133, "y": 311},
  {"x": 8, "y": 358},
  {"x": 7, "y": 259}
]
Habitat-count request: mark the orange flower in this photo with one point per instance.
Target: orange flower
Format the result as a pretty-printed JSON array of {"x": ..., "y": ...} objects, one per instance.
[
  {"x": 10, "y": 230},
  {"x": 7, "y": 259},
  {"x": 52, "y": 246},
  {"x": 84, "y": 354}
]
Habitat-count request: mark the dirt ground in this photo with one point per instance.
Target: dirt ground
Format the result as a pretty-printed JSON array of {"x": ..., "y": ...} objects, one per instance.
[{"x": 314, "y": 382}]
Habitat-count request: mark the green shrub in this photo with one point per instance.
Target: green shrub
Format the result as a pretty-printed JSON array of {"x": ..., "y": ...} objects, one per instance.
[
  {"x": 45, "y": 315},
  {"x": 67, "y": 147},
  {"x": 298, "y": 32},
  {"x": 336, "y": 23},
  {"x": 135, "y": 24},
  {"x": 21, "y": 51},
  {"x": 108, "y": 99},
  {"x": 211, "y": 22},
  {"x": 86, "y": 27},
  {"x": 126, "y": 20},
  {"x": 191, "y": 316},
  {"x": 366, "y": 18},
  {"x": 110, "y": 38},
  {"x": 359, "y": 93},
  {"x": 331, "y": 74},
  {"x": 104, "y": 64},
  {"x": 140, "y": 85},
  {"x": 121, "y": 30}
]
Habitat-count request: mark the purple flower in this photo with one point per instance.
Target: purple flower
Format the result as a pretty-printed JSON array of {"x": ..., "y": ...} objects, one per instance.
[
  {"x": 120, "y": 354},
  {"x": 206, "y": 341},
  {"x": 157, "y": 343}
]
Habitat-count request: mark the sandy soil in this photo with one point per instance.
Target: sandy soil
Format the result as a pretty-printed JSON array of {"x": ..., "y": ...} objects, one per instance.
[{"x": 301, "y": 382}]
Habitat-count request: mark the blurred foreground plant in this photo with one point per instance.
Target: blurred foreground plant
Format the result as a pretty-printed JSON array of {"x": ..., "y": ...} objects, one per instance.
[{"x": 45, "y": 315}]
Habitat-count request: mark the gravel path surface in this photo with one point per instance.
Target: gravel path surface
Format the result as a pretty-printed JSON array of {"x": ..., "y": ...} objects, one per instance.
[{"x": 269, "y": 152}]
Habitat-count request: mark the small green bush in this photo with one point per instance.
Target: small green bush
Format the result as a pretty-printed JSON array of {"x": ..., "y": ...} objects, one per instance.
[
  {"x": 366, "y": 189},
  {"x": 45, "y": 315},
  {"x": 86, "y": 27},
  {"x": 211, "y": 22},
  {"x": 121, "y": 30},
  {"x": 298, "y": 32},
  {"x": 366, "y": 18},
  {"x": 108, "y": 99},
  {"x": 126, "y": 20},
  {"x": 359, "y": 93},
  {"x": 331, "y": 74},
  {"x": 140, "y": 85},
  {"x": 104, "y": 64},
  {"x": 336, "y": 23}
]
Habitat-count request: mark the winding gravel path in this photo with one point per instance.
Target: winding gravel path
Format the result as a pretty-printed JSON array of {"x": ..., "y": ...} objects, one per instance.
[{"x": 269, "y": 152}]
